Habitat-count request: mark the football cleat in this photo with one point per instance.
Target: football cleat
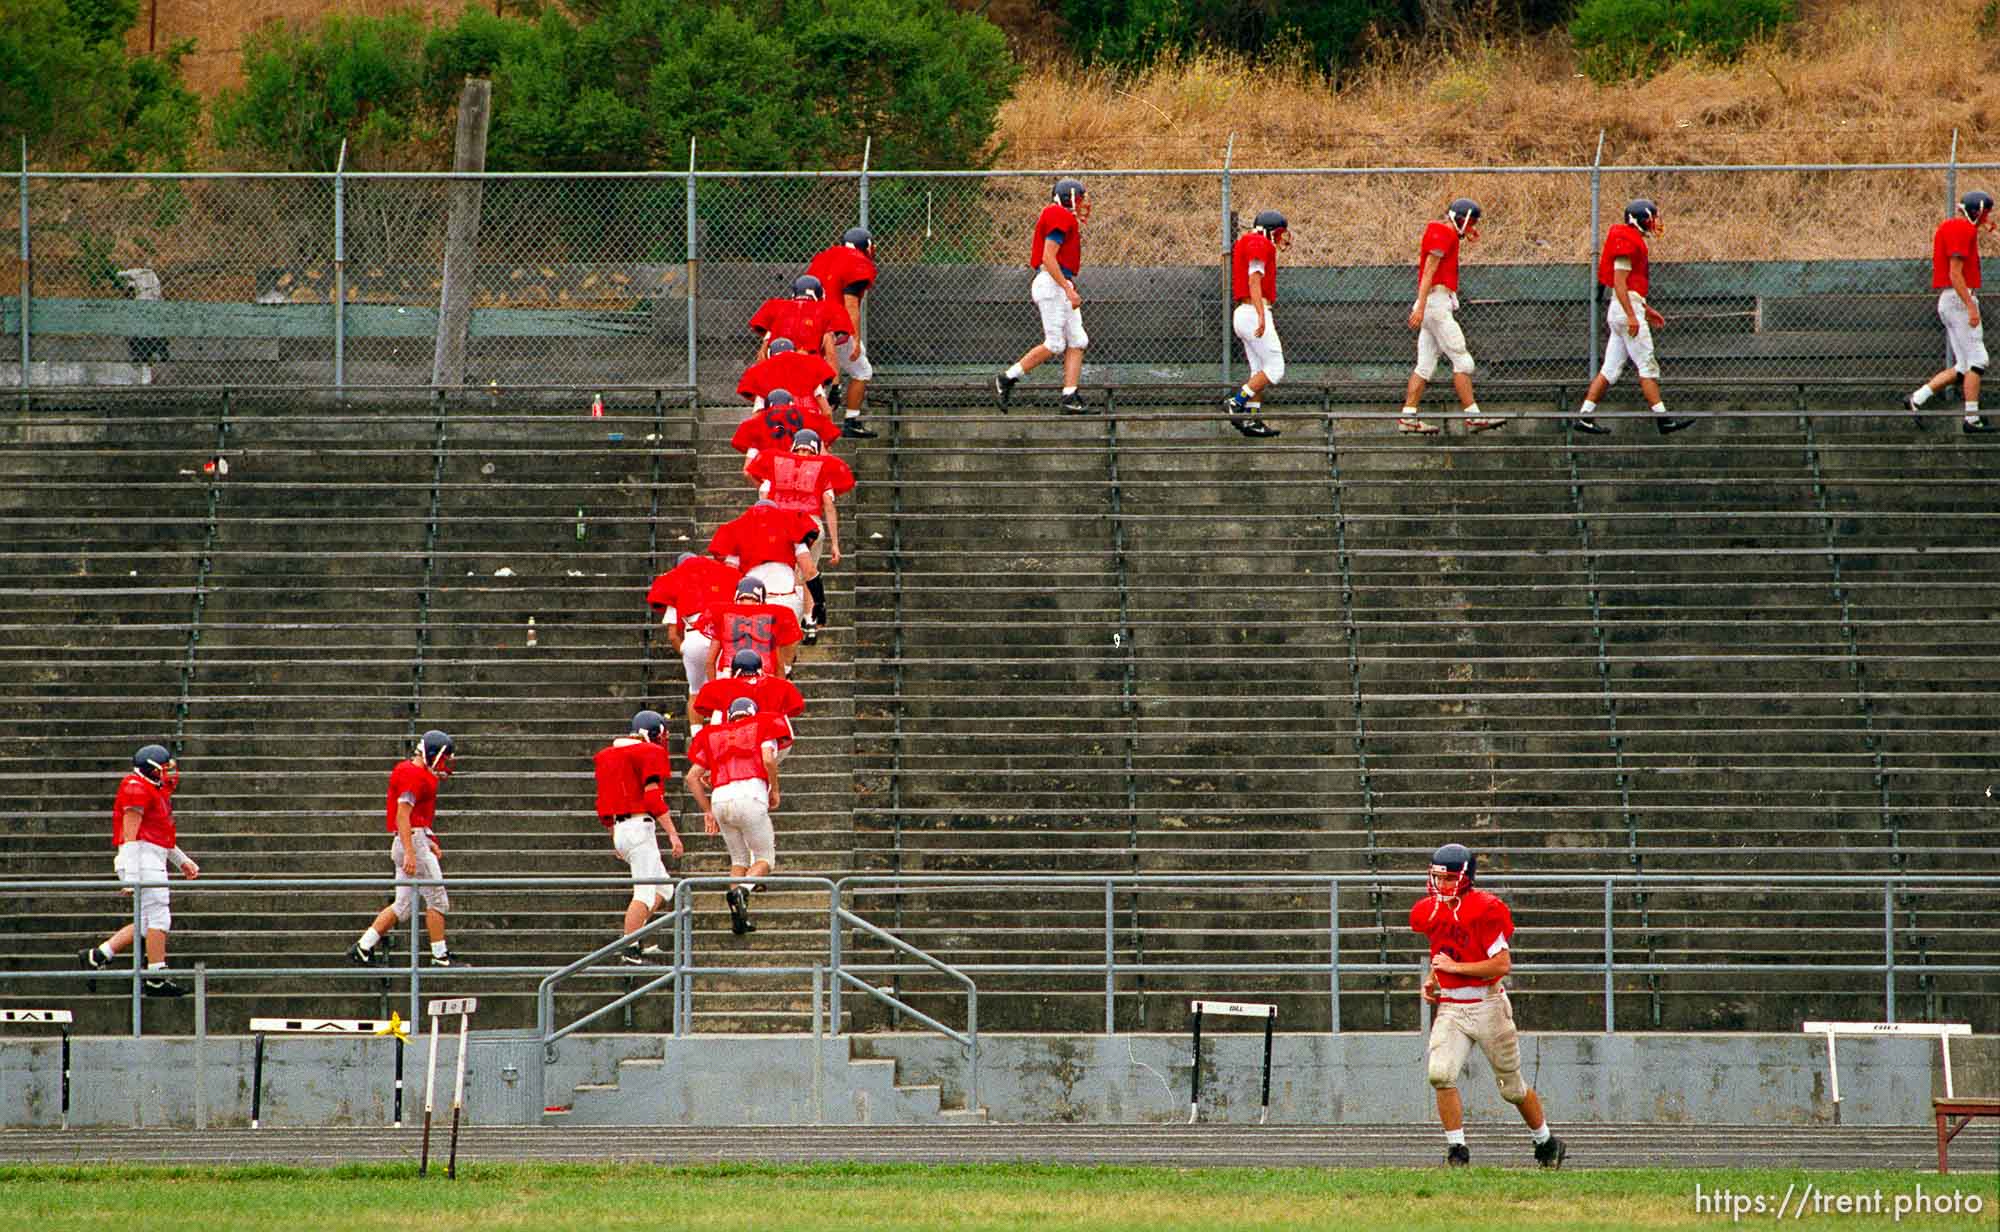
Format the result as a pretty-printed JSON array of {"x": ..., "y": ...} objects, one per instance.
[
  {"x": 1476, "y": 424},
  {"x": 1003, "y": 388},
  {"x": 1415, "y": 426},
  {"x": 852, "y": 426},
  {"x": 1669, "y": 425},
  {"x": 810, "y": 628},
  {"x": 1550, "y": 1154},
  {"x": 363, "y": 957},
  {"x": 449, "y": 959},
  {"x": 1236, "y": 403},
  {"x": 1975, "y": 425},
  {"x": 739, "y": 911},
  {"x": 1584, "y": 423},
  {"x": 161, "y": 986},
  {"x": 1456, "y": 1156},
  {"x": 1251, "y": 426},
  {"x": 1073, "y": 404},
  {"x": 1916, "y": 413},
  {"x": 93, "y": 959},
  {"x": 631, "y": 956}
]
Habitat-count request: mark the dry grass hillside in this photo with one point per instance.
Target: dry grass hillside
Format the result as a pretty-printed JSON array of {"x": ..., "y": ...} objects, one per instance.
[{"x": 1862, "y": 81}]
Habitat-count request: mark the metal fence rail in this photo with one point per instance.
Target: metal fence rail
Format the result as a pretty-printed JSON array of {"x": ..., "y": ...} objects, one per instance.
[
  {"x": 308, "y": 279},
  {"x": 848, "y": 962}
]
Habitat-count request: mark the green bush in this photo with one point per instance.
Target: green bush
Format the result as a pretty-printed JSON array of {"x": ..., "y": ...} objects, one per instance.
[
  {"x": 1620, "y": 39},
  {"x": 68, "y": 86},
  {"x": 624, "y": 84},
  {"x": 1132, "y": 33}
]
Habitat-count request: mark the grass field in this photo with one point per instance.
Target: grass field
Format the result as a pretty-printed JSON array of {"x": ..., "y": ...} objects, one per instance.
[{"x": 881, "y": 1198}]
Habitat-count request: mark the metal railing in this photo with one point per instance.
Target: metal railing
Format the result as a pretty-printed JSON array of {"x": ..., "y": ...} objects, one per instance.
[
  {"x": 841, "y": 970},
  {"x": 297, "y": 279}
]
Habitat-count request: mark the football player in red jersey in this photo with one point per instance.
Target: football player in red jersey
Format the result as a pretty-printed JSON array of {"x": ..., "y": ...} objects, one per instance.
[
  {"x": 808, "y": 319},
  {"x": 632, "y": 776},
  {"x": 805, "y": 377},
  {"x": 142, "y": 830},
  {"x": 679, "y": 597},
  {"x": 1955, "y": 276},
  {"x": 773, "y": 427},
  {"x": 750, "y": 623},
  {"x": 847, "y": 270},
  {"x": 807, "y": 481},
  {"x": 746, "y": 678},
  {"x": 1253, "y": 282},
  {"x": 1623, "y": 267},
  {"x": 1438, "y": 334},
  {"x": 774, "y": 546},
  {"x": 1056, "y": 254},
  {"x": 1470, "y": 932},
  {"x": 412, "y": 818},
  {"x": 734, "y": 778}
]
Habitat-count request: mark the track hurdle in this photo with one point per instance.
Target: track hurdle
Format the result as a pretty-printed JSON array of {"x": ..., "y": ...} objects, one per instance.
[
  {"x": 393, "y": 1025},
  {"x": 60, "y": 1018},
  {"x": 464, "y": 1007},
  {"x": 1231, "y": 1009}
]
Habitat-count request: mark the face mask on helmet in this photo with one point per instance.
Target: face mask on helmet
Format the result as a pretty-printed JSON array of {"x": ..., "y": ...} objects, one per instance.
[
  {"x": 435, "y": 751},
  {"x": 157, "y": 766},
  {"x": 1452, "y": 867}
]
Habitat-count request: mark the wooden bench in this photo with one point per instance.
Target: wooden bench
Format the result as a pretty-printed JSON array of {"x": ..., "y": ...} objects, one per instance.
[{"x": 1963, "y": 1108}]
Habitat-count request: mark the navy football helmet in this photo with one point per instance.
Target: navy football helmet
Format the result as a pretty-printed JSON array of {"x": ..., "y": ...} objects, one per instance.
[
  {"x": 749, "y": 590},
  {"x": 805, "y": 286},
  {"x": 155, "y": 763},
  {"x": 742, "y": 708},
  {"x": 1068, "y": 192},
  {"x": 806, "y": 441},
  {"x": 1462, "y": 213},
  {"x": 1977, "y": 206},
  {"x": 858, "y": 237},
  {"x": 1270, "y": 222},
  {"x": 1452, "y": 869},
  {"x": 650, "y": 726},
  {"x": 1644, "y": 215},
  {"x": 436, "y": 751},
  {"x": 746, "y": 663},
  {"x": 779, "y": 397},
  {"x": 780, "y": 345}
]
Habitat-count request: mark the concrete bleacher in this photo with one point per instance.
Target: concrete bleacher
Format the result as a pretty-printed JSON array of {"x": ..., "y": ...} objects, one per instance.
[{"x": 1133, "y": 643}]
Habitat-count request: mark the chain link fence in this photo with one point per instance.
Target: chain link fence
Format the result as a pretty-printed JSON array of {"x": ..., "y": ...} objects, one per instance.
[{"x": 620, "y": 280}]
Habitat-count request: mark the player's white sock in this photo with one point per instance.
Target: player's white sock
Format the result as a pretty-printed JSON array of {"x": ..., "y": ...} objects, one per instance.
[
  {"x": 1015, "y": 372},
  {"x": 1971, "y": 412},
  {"x": 1924, "y": 394},
  {"x": 1541, "y": 1133},
  {"x": 1454, "y": 1137},
  {"x": 1411, "y": 411},
  {"x": 106, "y": 951},
  {"x": 159, "y": 966},
  {"x": 371, "y": 938},
  {"x": 1247, "y": 394},
  {"x": 437, "y": 949},
  {"x": 1068, "y": 390},
  {"x": 1472, "y": 410},
  {"x": 1659, "y": 408},
  {"x": 1253, "y": 406},
  {"x": 1587, "y": 408}
]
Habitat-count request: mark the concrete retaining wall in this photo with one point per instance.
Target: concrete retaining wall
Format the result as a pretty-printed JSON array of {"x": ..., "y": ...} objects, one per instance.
[{"x": 1317, "y": 1079}]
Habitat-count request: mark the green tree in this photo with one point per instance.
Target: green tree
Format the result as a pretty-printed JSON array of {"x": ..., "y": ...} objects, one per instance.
[
  {"x": 68, "y": 86},
  {"x": 360, "y": 79},
  {"x": 1617, "y": 39}
]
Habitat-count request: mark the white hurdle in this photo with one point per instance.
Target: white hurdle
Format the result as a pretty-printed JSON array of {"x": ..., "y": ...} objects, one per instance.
[
  {"x": 1941, "y": 1031},
  {"x": 393, "y": 1025},
  {"x": 464, "y": 1007},
  {"x": 58, "y": 1018},
  {"x": 1232, "y": 1009}
]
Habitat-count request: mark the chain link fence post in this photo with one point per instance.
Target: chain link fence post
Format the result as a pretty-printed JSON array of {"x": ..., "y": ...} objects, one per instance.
[
  {"x": 340, "y": 273},
  {"x": 27, "y": 264},
  {"x": 1228, "y": 242},
  {"x": 867, "y": 150},
  {"x": 1590, "y": 248},
  {"x": 693, "y": 271}
]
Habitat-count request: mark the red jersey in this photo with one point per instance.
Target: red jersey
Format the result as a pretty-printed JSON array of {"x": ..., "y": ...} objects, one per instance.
[
  {"x": 692, "y": 587},
  {"x": 1442, "y": 237},
  {"x": 732, "y": 752},
  {"x": 843, "y": 271},
  {"x": 416, "y": 780},
  {"x": 156, "y": 812},
  {"x": 1253, "y": 246},
  {"x": 1623, "y": 240},
  {"x": 804, "y": 321},
  {"x": 760, "y": 535},
  {"x": 1480, "y": 928},
  {"x": 773, "y": 427},
  {"x": 798, "y": 373},
  {"x": 632, "y": 778},
  {"x": 762, "y": 627},
  {"x": 1058, "y": 224},
  {"x": 773, "y": 695},
  {"x": 797, "y": 481},
  {"x": 1955, "y": 237}
]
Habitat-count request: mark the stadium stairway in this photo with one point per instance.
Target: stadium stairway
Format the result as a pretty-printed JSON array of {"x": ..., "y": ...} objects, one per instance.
[{"x": 1111, "y": 644}]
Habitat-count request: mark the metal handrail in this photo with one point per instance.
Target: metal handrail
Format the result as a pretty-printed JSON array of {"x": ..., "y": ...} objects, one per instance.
[
  {"x": 968, "y": 1040},
  {"x": 545, "y": 992}
]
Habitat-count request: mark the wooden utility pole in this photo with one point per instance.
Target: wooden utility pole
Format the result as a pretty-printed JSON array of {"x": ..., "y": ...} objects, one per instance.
[{"x": 461, "y": 241}]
